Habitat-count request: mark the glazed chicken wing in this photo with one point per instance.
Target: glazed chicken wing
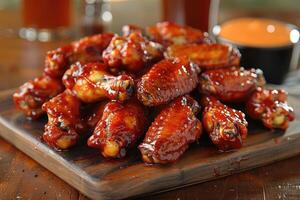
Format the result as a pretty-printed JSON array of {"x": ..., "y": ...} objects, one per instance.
[
  {"x": 226, "y": 127},
  {"x": 128, "y": 29},
  {"x": 168, "y": 33},
  {"x": 230, "y": 84},
  {"x": 175, "y": 127},
  {"x": 131, "y": 52},
  {"x": 93, "y": 113},
  {"x": 57, "y": 61},
  {"x": 271, "y": 108},
  {"x": 88, "y": 49},
  {"x": 91, "y": 82},
  {"x": 206, "y": 56},
  {"x": 119, "y": 128},
  {"x": 32, "y": 94},
  {"x": 64, "y": 122},
  {"x": 167, "y": 80}
]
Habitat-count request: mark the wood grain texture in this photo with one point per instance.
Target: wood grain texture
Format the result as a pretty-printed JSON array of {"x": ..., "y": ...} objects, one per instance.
[
  {"x": 87, "y": 171},
  {"x": 30, "y": 180}
]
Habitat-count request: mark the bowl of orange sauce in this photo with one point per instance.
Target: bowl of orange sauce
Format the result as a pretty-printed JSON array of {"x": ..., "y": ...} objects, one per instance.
[{"x": 264, "y": 43}]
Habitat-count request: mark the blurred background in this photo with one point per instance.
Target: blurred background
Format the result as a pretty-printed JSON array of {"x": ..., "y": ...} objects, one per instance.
[
  {"x": 29, "y": 28},
  {"x": 115, "y": 13}
]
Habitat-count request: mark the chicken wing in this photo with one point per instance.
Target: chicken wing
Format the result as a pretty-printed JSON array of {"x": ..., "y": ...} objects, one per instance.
[
  {"x": 168, "y": 33},
  {"x": 32, "y": 94},
  {"x": 91, "y": 82},
  {"x": 131, "y": 52},
  {"x": 128, "y": 29},
  {"x": 64, "y": 122},
  {"x": 167, "y": 80},
  {"x": 226, "y": 127},
  {"x": 206, "y": 56},
  {"x": 93, "y": 113},
  {"x": 88, "y": 49},
  {"x": 271, "y": 108},
  {"x": 230, "y": 84},
  {"x": 119, "y": 128},
  {"x": 174, "y": 128}
]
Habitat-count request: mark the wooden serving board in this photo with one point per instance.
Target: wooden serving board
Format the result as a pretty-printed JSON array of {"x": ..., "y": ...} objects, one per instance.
[{"x": 87, "y": 171}]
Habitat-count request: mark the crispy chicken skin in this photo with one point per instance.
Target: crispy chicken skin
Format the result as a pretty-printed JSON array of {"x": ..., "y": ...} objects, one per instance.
[
  {"x": 132, "y": 52},
  {"x": 31, "y": 95},
  {"x": 120, "y": 127},
  {"x": 206, "y": 56},
  {"x": 167, "y": 80},
  {"x": 64, "y": 121},
  {"x": 230, "y": 85},
  {"x": 226, "y": 127},
  {"x": 174, "y": 128},
  {"x": 271, "y": 108},
  {"x": 87, "y": 49},
  {"x": 169, "y": 33},
  {"x": 91, "y": 83}
]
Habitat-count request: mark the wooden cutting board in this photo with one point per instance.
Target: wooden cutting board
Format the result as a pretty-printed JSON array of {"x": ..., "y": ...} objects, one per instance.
[{"x": 98, "y": 178}]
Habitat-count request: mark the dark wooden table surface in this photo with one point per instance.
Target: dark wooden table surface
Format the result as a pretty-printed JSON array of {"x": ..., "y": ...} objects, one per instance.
[{"x": 23, "y": 178}]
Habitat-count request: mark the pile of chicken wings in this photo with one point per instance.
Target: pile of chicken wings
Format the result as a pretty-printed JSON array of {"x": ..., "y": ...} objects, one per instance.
[{"x": 159, "y": 89}]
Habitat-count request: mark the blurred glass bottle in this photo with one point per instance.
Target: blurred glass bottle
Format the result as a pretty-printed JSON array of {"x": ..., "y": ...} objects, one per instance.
[
  {"x": 198, "y": 14},
  {"x": 46, "y": 20},
  {"x": 95, "y": 16}
]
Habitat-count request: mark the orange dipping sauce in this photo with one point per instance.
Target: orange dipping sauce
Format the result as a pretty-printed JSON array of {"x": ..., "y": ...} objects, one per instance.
[{"x": 258, "y": 32}]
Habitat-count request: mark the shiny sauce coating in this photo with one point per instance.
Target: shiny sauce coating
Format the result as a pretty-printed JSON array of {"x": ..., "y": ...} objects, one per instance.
[
  {"x": 167, "y": 80},
  {"x": 168, "y": 33},
  {"x": 174, "y": 128},
  {"x": 271, "y": 107},
  {"x": 226, "y": 127},
  {"x": 230, "y": 84},
  {"x": 206, "y": 56},
  {"x": 64, "y": 121},
  {"x": 120, "y": 127}
]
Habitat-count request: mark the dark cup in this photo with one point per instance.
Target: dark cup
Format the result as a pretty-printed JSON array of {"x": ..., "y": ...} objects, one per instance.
[{"x": 274, "y": 61}]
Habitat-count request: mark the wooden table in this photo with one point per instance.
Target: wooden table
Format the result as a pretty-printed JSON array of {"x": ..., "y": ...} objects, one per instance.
[{"x": 23, "y": 178}]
